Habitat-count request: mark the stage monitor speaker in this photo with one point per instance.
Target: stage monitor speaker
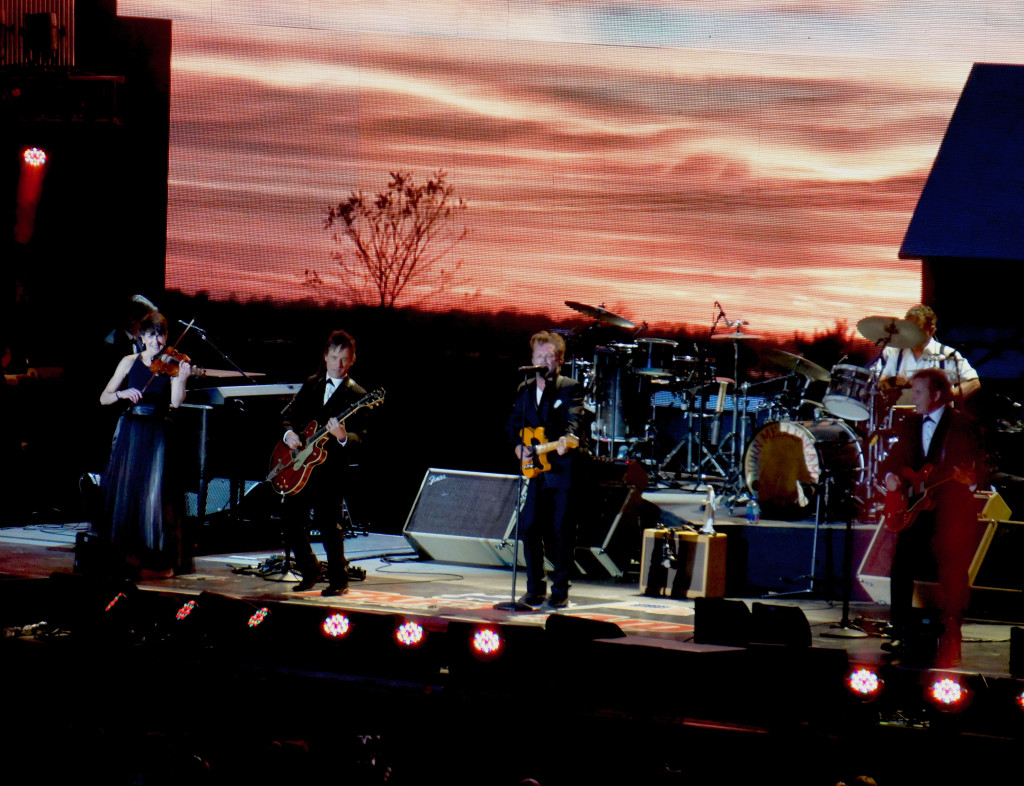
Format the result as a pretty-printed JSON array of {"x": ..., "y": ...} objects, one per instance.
[
  {"x": 785, "y": 625},
  {"x": 873, "y": 574},
  {"x": 578, "y": 629},
  {"x": 465, "y": 517},
  {"x": 721, "y": 621}
]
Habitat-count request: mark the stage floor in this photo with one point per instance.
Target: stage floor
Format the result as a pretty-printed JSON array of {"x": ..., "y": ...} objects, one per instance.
[{"x": 398, "y": 581}]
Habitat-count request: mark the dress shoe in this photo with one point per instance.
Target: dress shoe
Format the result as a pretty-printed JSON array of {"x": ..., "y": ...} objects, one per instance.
[
  {"x": 555, "y": 602},
  {"x": 895, "y": 646},
  {"x": 306, "y": 584},
  {"x": 533, "y": 599},
  {"x": 334, "y": 589}
]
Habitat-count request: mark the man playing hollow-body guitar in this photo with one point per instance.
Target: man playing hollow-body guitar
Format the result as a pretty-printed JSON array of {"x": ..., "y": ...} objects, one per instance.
[
  {"x": 939, "y": 454},
  {"x": 321, "y": 399}
]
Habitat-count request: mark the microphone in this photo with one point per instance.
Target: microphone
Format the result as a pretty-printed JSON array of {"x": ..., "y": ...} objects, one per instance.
[
  {"x": 532, "y": 369},
  {"x": 192, "y": 325}
]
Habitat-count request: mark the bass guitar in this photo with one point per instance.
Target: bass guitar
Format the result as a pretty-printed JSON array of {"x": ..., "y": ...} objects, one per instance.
[
  {"x": 535, "y": 461},
  {"x": 290, "y": 468}
]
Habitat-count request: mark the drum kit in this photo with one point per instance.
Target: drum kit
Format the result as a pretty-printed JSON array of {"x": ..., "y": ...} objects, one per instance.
[{"x": 764, "y": 437}]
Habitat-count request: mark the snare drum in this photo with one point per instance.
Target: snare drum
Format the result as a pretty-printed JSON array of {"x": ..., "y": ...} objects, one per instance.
[
  {"x": 786, "y": 456},
  {"x": 653, "y": 357},
  {"x": 849, "y": 392}
]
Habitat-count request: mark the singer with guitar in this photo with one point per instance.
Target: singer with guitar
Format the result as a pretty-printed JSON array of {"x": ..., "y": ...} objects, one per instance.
[
  {"x": 932, "y": 471},
  {"x": 318, "y": 502},
  {"x": 545, "y": 429}
]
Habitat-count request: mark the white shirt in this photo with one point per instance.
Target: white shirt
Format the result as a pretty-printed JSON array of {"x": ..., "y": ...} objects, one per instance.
[{"x": 902, "y": 363}]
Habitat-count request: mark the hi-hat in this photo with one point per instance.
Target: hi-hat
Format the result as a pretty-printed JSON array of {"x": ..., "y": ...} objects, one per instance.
[
  {"x": 601, "y": 314},
  {"x": 893, "y": 332},
  {"x": 799, "y": 365}
]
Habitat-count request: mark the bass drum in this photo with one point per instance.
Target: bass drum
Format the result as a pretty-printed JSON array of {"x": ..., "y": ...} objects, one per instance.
[{"x": 786, "y": 464}]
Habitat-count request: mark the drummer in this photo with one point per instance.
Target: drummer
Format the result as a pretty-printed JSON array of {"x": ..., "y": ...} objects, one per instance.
[{"x": 900, "y": 365}]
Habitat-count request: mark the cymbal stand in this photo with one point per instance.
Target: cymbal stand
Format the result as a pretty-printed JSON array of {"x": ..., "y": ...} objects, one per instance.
[
  {"x": 735, "y": 485},
  {"x": 707, "y": 456},
  {"x": 820, "y": 506}
]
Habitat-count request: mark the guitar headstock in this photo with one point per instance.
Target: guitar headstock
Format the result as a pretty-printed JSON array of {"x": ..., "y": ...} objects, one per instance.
[{"x": 373, "y": 398}]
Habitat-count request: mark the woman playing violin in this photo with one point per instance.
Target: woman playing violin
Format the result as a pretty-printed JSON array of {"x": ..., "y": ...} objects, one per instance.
[{"x": 143, "y": 503}]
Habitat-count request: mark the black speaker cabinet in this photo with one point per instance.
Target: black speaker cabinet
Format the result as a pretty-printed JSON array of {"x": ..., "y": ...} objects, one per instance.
[{"x": 465, "y": 517}]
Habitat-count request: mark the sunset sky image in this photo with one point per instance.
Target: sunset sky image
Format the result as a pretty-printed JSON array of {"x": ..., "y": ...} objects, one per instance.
[{"x": 651, "y": 157}]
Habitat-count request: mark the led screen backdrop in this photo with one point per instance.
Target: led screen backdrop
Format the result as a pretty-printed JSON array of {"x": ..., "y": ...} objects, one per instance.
[{"x": 653, "y": 157}]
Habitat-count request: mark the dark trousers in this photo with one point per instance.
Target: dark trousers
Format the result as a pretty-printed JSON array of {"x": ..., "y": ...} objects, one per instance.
[
  {"x": 936, "y": 547},
  {"x": 325, "y": 516},
  {"x": 548, "y": 517}
]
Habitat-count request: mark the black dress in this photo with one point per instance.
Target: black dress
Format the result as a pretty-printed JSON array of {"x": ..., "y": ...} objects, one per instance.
[{"x": 143, "y": 503}]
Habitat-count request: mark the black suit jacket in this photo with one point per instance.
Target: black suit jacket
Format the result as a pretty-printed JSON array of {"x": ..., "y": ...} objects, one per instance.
[
  {"x": 560, "y": 413},
  {"x": 955, "y": 443},
  {"x": 308, "y": 406}
]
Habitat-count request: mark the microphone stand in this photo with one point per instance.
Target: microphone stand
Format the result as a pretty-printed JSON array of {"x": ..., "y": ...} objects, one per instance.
[
  {"x": 513, "y": 604},
  {"x": 215, "y": 348}
]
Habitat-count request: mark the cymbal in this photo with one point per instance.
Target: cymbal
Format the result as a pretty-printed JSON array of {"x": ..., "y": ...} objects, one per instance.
[
  {"x": 899, "y": 333},
  {"x": 599, "y": 313},
  {"x": 798, "y": 364},
  {"x": 737, "y": 335}
]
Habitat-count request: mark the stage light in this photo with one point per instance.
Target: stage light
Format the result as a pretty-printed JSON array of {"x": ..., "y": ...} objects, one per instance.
[
  {"x": 185, "y": 610},
  {"x": 948, "y": 694},
  {"x": 864, "y": 683},
  {"x": 115, "y": 600},
  {"x": 486, "y": 643},
  {"x": 410, "y": 635},
  {"x": 34, "y": 157},
  {"x": 259, "y": 617},
  {"x": 336, "y": 626}
]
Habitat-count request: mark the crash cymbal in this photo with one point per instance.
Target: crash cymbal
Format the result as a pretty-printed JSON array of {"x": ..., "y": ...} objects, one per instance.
[
  {"x": 899, "y": 333},
  {"x": 736, "y": 335},
  {"x": 599, "y": 313},
  {"x": 799, "y": 365}
]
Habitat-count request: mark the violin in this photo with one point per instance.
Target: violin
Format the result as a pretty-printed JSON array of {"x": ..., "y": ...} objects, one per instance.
[{"x": 168, "y": 362}]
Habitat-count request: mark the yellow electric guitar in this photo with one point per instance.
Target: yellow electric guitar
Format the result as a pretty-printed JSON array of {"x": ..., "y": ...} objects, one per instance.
[{"x": 535, "y": 461}]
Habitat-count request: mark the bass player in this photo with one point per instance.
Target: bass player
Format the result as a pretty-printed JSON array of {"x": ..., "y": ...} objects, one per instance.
[{"x": 319, "y": 401}]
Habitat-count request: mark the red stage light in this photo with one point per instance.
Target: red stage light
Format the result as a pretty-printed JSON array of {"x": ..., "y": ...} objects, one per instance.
[
  {"x": 1019, "y": 700},
  {"x": 486, "y": 644},
  {"x": 33, "y": 156},
  {"x": 185, "y": 610},
  {"x": 336, "y": 626},
  {"x": 864, "y": 683},
  {"x": 948, "y": 694},
  {"x": 258, "y": 618},
  {"x": 115, "y": 600},
  {"x": 410, "y": 634}
]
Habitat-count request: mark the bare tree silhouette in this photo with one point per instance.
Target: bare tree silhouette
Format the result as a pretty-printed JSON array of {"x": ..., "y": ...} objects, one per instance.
[{"x": 398, "y": 237}]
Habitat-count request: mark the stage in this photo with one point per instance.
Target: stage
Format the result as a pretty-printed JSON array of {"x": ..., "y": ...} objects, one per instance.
[{"x": 619, "y": 685}]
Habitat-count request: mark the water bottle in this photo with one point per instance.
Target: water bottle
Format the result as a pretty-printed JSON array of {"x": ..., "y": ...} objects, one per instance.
[{"x": 753, "y": 510}]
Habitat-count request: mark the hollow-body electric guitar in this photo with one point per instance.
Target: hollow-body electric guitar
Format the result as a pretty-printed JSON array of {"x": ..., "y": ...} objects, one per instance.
[
  {"x": 902, "y": 507},
  {"x": 290, "y": 468}
]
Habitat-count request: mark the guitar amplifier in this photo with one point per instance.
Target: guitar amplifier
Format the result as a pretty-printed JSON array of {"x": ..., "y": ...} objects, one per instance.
[{"x": 682, "y": 564}]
